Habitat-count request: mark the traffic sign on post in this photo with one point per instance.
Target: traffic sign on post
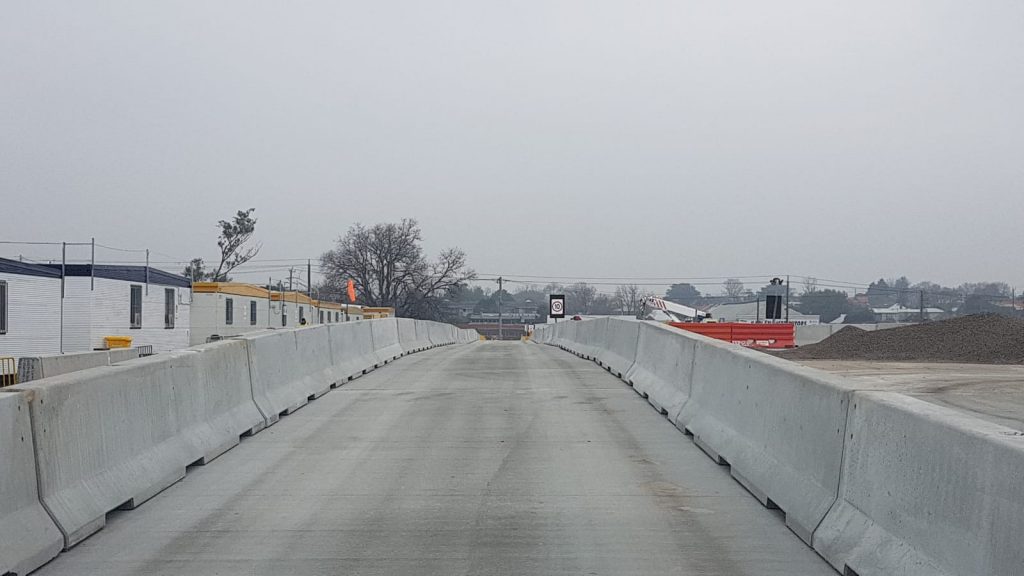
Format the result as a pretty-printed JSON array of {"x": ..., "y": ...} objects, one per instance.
[{"x": 556, "y": 306}]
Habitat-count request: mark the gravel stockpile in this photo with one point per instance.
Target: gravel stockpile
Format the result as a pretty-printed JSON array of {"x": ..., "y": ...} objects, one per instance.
[{"x": 979, "y": 339}]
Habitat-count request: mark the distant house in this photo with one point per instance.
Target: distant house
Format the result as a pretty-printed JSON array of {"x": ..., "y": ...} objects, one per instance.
[
  {"x": 149, "y": 305},
  {"x": 754, "y": 312},
  {"x": 897, "y": 313},
  {"x": 30, "y": 318}
]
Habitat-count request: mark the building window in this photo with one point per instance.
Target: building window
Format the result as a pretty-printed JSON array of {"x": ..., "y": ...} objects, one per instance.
[
  {"x": 3, "y": 307},
  {"x": 136, "y": 306},
  {"x": 284, "y": 315},
  {"x": 252, "y": 312},
  {"x": 229, "y": 311},
  {"x": 302, "y": 314},
  {"x": 168, "y": 307},
  {"x": 321, "y": 316},
  {"x": 337, "y": 316}
]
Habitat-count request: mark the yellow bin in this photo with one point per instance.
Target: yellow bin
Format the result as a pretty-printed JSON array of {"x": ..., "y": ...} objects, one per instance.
[{"x": 118, "y": 341}]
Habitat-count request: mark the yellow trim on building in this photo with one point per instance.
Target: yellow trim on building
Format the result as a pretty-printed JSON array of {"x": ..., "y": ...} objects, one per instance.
[
  {"x": 235, "y": 288},
  {"x": 292, "y": 298},
  {"x": 378, "y": 312}
]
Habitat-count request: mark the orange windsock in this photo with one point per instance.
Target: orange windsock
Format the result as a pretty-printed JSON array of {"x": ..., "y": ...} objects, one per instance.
[{"x": 351, "y": 291}]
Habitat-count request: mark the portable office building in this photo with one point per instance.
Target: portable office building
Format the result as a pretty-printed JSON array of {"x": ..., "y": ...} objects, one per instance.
[
  {"x": 223, "y": 309},
  {"x": 332, "y": 312},
  {"x": 149, "y": 305},
  {"x": 289, "y": 309},
  {"x": 30, "y": 309},
  {"x": 377, "y": 312}
]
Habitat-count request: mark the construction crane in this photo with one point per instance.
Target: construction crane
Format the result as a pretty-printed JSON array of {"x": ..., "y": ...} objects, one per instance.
[{"x": 654, "y": 308}]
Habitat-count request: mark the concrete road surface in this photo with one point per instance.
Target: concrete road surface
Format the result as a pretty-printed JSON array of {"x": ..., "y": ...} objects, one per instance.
[{"x": 492, "y": 458}]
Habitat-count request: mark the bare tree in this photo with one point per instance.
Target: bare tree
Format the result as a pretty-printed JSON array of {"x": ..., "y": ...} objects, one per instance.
[
  {"x": 579, "y": 298},
  {"x": 810, "y": 284},
  {"x": 554, "y": 288},
  {"x": 733, "y": 288},
  {"x": 387, "y": 265},
  {"x": 629, "y": 298}
]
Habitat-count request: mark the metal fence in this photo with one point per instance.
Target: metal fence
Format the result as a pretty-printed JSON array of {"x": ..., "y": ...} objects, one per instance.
[{"x": 8, "y": 371}]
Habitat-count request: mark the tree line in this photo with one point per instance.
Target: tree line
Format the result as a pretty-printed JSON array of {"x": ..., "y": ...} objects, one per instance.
[
  {"x": 388, "y": 266},
  {"x": 386, "y": 263}
]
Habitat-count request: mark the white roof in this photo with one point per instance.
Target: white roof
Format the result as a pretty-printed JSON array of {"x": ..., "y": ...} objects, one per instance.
[{"x": 897, "y": 309}]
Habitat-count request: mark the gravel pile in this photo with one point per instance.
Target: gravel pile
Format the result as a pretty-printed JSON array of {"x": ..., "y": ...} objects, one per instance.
[{"x": 978, "y": 339}]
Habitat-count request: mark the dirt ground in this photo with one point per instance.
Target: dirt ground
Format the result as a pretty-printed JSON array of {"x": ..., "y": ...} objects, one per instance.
[{"x": 977, "y": 339}]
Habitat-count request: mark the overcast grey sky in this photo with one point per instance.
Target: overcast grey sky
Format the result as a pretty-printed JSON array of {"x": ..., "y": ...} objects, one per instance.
[{"x": 676, "y": 139}]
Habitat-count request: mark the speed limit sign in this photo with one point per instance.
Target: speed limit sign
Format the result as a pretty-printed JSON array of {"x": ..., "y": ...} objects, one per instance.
[{"x": 556, "y": 306}]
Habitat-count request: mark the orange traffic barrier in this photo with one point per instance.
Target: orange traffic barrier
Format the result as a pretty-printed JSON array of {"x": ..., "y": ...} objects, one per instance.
[{"x": 745, "y": 334}]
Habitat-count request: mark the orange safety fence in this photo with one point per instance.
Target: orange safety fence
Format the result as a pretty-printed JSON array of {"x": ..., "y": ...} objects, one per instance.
[{"x": 745, "y": 334}]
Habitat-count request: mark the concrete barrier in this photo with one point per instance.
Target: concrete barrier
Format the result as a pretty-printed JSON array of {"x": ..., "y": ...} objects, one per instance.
[
  {"x": 804, "y": 335},
  {"x": 663, "y": 368},
  {"x": 217, "y": 407},
  {"x": 814, "y": 333},
  {"x": 313, "y": 360},
  {"x": 115, "y": 436},
  {"x": 408, "y": 339},
  {"x": 566, "y": 336},
  {"x": 779, "y": 426},
  {"x": 108, "y": 437},
  {"x": 618, "y": 353},
  {"x": 440, "y": 334},
  {"x": 351, "y": 350},
  {"x": 877, "y": 482},
  {"x": 123, "y": 354},
  {"x": 385, "y": 340},
  {"x": 590, "y": 337},
  {"x": 39, "y": 367},
  {"x": 925, "y": 490},
  {"x": 432, "y": 331},
  {"x": 288, "y": 368},
  {"x": 28, "y": 536}
]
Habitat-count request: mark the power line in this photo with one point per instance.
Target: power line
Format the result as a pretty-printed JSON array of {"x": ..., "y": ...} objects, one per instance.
[
  {"x": 667, "y": 279},
  {"x": 98, "y": 245}
]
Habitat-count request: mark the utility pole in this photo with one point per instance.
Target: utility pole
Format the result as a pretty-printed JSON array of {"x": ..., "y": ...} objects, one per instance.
[
  {"x": 63, "y": 275},
  {"x": 309, "y": 280},
  {"x": 922, "y": 305},
  {"x": 284, "y": 315},
  {"x": 787, "y": 298},
  {"x": 500, "y": 332},
  {"x": 147, "y": 271},
  {"x": 290, "y": 271},
  {"x": 92, "y": 266}
]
